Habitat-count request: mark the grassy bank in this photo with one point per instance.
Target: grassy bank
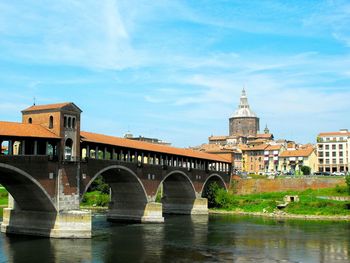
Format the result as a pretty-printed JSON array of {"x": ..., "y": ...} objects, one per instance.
[
  {"x": 95, "y": 199},
  {"x": 3, "y": 199},
  {"x": 309, "y": 204}
]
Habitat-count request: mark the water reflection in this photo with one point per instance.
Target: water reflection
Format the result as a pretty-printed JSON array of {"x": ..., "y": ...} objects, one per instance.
[{"x": 191, "y": 239}]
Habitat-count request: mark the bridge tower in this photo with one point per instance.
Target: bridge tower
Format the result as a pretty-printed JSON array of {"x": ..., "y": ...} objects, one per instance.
[{"x": 62, "y": 119}]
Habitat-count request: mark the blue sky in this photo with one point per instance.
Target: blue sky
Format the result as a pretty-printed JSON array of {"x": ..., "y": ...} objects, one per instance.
[{"x": 175, "y": 69}]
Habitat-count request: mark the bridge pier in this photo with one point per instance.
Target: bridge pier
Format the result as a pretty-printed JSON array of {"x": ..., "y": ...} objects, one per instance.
[
  {"x": 150, "y": 212},
  {"x": 185, "y": 206},
  {"x": 66, "y": 224}
]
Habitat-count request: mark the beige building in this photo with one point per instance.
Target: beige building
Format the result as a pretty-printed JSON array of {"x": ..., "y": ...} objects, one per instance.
[
  {"x": 333, "y": 151},
  {"x": 271, "y": 158},
  {"x": 293, "y": 160}
]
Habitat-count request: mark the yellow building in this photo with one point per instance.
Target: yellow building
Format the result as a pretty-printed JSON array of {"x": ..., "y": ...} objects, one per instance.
[{"x": 253, "y": 158}]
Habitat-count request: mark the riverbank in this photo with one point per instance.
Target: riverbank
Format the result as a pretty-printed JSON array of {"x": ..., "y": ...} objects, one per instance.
[
  {"x": 280, "y": 215},
  {"x": 320, "y": 203}
]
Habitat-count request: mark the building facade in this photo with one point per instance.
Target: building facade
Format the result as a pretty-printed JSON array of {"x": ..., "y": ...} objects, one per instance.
[
  {"x": 253, "y": 158},
  {"x": 333, "y": 151},
  {"x": 292, "y": 160},
  {"x": 271, "y": 158}
]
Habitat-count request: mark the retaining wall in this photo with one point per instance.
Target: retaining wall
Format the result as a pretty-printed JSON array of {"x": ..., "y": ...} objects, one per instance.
[{"x": 250, "y": 186}]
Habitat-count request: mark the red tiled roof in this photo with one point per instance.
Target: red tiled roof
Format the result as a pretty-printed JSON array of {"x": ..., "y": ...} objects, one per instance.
[
  {"x": 298, "y": 153},
  {"x": 55, "y": 106},
  {"x": 121, "y": 142},
  {"x": 254, "y": 148},
  {"x": 218, "y": 137},
  {"x": 16, "y": 129},
  {"x": 273, "y": 147},
  {"x": 264, "y": 135},
  {"x": 338, "y": 133}
]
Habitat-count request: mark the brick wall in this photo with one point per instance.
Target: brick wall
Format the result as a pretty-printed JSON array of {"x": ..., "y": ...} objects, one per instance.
[{"x": 249, "y": 186}]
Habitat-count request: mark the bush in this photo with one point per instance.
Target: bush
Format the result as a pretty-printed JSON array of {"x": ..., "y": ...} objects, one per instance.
[
  {"x": 306, "y": 170},
  {"x": 99, "y": 185},
  {"x": 340, "y": 190},
  {"x": 347, "y": 180},
  {"x": 210, "y": 193}
]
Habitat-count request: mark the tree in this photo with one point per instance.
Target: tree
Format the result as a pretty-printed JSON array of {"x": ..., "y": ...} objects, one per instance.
[
  {"x": 210, "y": 193},
  {"x": 306, "y": 170}
]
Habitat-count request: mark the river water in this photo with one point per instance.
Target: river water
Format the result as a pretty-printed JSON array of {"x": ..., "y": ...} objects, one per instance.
[{"x": 214, "y": 238}]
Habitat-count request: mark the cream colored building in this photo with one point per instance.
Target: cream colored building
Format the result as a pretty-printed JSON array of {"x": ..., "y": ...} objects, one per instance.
[
  {"x": 293, "y": 160},
  {"x": 333, "y": 150},
  {"x": 271, "y": 158}
]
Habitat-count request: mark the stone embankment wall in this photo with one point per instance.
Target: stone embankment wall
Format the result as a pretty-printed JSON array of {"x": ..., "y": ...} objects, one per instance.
[{"x": 251, "y": 186}]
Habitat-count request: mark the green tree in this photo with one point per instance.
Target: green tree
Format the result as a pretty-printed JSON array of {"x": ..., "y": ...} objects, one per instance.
[
  {"x": 99, "y": 185},
  {"x": 210, "y": 193},
  {"x": 306, "y": 170}
]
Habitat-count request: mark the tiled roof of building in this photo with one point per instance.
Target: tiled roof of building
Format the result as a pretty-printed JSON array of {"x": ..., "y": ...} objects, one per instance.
[
  {"x": 254, "y": 148},
  {"x": 121, "y": 142},
  {"x": 55, "y": 106},
  {"x": 16, "y": 129},
  {"x": 218, "y": 138},
  {"x": 264, "y": 135},
  {"x": 273, "y": 147},
  {"x": 298, "y": 153},
  {"x": 338, "y": 133}
]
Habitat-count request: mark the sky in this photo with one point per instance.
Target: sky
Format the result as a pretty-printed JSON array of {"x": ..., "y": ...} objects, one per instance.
[{"x": 174, "y": 70}]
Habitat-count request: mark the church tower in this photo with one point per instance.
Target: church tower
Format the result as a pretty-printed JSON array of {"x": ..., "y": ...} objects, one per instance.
[{"x": 244, "y": 121}]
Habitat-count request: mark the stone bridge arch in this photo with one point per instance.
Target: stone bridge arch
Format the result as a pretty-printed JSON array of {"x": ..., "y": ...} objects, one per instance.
[
  {"x": 180, "y": 196},
  {"x": 213, "y": 178},
  {"x": 28, "y": 193},
  {"x": 129, "y": 200}
]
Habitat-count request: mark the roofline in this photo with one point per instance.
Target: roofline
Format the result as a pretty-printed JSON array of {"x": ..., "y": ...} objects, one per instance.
[
  {"x": 49, "y": 109},
  {"x": 214, "y": 157}
]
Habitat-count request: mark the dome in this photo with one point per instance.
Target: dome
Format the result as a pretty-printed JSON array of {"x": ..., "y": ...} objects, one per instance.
[
  {"x": 243, "y": 110},
  {"x": 243, "y": 113}
]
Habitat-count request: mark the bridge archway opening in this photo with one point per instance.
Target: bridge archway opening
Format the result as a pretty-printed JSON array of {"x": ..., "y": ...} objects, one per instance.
[
  {"x": 178, "y": 194},
  {"x": 128, "y": 198},
  {"x": 28, "y": 194},
  {"x": 213, "y": 181},
  {"x": 68, "y": 147}
]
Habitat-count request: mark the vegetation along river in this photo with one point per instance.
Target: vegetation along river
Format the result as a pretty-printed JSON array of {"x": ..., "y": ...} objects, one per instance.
[{"x": 214, "y": 238}]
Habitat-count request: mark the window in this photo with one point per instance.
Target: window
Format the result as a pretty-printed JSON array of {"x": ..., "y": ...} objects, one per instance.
[
  {"x": 327, "y": 139},
  {"x": 320, "y": 154},
  {"x": 327, "y": 154},
  {"x": 30, "y": 121},
  {"x": 340, "y": 147},
  {"x": 73, "y": 123},
  {"x": 69, "y": 122},
  {"x": 334, "y": 161},
  {"x": 327, "y": 161},
  {"x": 51, "y": 122},
  {"x": 327, "y": 146},
  {"x": 65, "y": 122},
  {"x": 341, "y": 161},
  {"x": 334, "y": 146},
  {"x": 340, "y": 154},
  {"x": 334, "y": 154}
]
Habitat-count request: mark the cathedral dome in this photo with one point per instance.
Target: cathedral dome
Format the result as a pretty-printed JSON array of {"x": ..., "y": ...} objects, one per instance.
[{"x": 243, "y": 110}]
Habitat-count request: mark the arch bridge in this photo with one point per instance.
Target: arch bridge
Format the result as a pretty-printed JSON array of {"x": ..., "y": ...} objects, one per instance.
[{"x": 47, "y": 173}]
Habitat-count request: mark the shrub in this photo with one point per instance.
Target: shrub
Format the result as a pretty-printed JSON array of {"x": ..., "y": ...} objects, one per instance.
[
  {"x": 347, "y": 180},
  {"x": 306, "y": 170},
  {"x": 210, "y": 193}
]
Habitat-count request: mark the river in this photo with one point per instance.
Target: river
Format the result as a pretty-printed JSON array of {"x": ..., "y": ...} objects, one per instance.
[{"x": 214, "y": 238}]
